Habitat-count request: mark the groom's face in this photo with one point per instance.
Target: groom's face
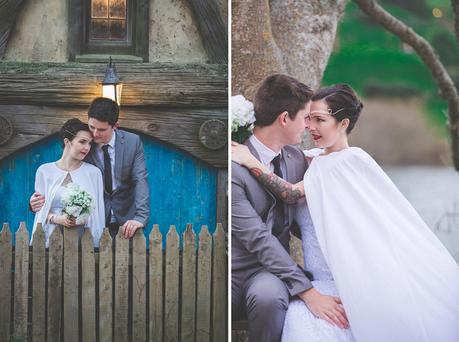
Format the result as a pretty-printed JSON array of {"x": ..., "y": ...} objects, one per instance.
[
  {"x": 101, "y": 131},
  {"x": 295, "y": 128}
]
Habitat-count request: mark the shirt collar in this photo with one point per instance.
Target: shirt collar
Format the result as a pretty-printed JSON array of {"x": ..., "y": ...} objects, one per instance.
[
  {"x": 266, "y": 154},
  {"x": 111, "y": 143}
]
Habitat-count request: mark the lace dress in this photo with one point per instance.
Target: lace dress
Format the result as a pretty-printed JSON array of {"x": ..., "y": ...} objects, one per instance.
[{"x": 300, "y": 324}]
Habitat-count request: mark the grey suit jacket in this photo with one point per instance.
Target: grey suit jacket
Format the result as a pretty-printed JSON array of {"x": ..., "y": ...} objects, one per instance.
[
  {"x": 131, "y": 200},
  {"x": 253, "y": 245}
]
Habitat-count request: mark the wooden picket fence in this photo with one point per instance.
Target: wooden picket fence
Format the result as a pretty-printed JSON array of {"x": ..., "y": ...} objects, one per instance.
[{"x": 118, "y": 292}]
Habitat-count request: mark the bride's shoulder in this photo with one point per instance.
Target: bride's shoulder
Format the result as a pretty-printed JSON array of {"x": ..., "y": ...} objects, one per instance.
[
  {"x": 349, "y": 157},
  {"x": 313, "y": 152},
  {"x": 357, "y": 159},
  {"x": 47, "y": 167},
  {"x": 89, "y": 168},
  {"x": 359, "y": 153}
]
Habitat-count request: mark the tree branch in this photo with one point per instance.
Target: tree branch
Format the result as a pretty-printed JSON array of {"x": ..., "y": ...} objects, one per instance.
[
  {"x": 422, "y": 47},
  {"x": 455, "y": 5}
]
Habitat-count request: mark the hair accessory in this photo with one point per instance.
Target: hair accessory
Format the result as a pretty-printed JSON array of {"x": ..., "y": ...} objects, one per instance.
[
  {"x": 339, "y": 110},
  {"x": 70, "y": 132}
]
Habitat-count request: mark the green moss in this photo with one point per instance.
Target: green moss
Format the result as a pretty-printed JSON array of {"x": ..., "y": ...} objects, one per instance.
[
  {"x": 19, "y": 67},
  {"x": 22, "y": 67}
]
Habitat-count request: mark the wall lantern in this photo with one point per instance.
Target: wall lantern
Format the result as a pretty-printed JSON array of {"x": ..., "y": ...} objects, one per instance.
[{"x": 111, "y": 85}]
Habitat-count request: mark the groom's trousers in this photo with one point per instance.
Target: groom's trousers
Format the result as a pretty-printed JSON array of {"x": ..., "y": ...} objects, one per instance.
[{"x": 263, "y": 299}]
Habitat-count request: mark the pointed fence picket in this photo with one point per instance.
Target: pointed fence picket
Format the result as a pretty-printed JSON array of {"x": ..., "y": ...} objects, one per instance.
[
  {"x": 189, "y": 285},
  {"x": 6, "y": 252},
  {"x": 219, "y": 285},
  {"x": 139, "y": 288},
  {"x": 118, "y": 292},
  {"x": 56, "y": 253},
  {"x": 204, "y": 280},
  {"x": 105, "y": 288},
  {"x": 21, "y": 284},
  {"x": 156, "y": 285},
  {"x": 88, "y": 288},
  {"x": 71, "y": 285},
  {"x": 38, "y": 288},
  {"x": 121, "y": 310},
  {"x": 171, "y": 310}
]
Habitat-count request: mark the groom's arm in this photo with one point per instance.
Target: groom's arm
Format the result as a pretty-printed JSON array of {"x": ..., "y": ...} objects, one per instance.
[
  {"x": 139, "y": 179},
  {"x": 141, "y": 192},
  {"x": 250, "y": 230}
]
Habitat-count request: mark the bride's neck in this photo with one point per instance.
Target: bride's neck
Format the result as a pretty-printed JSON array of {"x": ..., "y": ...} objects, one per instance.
[
  {"x": 338, "y": 146},
  {"x": 68, "y": 163}
]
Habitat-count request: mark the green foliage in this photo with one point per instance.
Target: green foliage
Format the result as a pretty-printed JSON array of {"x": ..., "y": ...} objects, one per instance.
[{"x": 375, "y": 62}]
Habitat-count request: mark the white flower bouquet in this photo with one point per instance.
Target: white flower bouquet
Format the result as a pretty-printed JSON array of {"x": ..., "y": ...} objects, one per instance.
[
  {"x": 242, "y": 118},
  {"x": 77, "y": 203}
]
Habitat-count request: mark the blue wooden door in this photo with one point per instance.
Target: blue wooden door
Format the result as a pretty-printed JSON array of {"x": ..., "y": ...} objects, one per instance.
[{"x": 182, "y": 188}]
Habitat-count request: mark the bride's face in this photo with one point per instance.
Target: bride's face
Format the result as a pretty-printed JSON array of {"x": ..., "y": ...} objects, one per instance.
[
  {"x": 323, "y": 127},
  {"x": 80, "y": 145}
]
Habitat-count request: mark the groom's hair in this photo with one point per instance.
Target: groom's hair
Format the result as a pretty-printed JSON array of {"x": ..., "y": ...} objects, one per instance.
[
  {"x": 105, "y": 110},
  {"x": 279, "y": 93}
]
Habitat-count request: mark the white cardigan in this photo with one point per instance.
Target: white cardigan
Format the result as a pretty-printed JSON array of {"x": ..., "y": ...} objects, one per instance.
[{"x": 47, "y": 181}]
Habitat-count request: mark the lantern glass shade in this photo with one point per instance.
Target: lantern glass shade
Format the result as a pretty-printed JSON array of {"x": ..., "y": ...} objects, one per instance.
[{"x": 113, "y": 92}]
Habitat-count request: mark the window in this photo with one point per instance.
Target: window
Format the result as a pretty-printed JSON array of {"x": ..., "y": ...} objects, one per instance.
[
  {"x": 108, "y": 27},
  {"x": 107, "y": 21}
]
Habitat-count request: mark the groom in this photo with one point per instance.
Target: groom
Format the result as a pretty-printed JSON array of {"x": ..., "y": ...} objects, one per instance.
[
  {"x": 264, "y": 276},
  {"x": 119, "y": 156}
]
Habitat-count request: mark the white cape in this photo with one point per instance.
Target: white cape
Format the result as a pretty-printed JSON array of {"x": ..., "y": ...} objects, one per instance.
[
  {"x": 396, "y": 280},
  {"x": 47, "y": 181}
]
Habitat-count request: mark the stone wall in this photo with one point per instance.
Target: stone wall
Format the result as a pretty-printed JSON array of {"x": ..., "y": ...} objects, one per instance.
[
  {"x": 174, "y": 35},
  {"x": 41, "y": 32}
]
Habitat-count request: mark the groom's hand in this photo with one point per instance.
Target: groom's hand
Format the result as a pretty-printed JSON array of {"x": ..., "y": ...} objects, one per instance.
[
  {"x": 326, "y": 307},
  {"x": 130, "y": 227},
  {"x": 36, "y": 202}
]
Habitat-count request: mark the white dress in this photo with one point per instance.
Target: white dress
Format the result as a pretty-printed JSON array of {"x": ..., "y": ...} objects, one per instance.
[
  {"x": 48, "y": 182},
  {"x": 396, "y": 280},
  {"x": 300, "y": 324}
]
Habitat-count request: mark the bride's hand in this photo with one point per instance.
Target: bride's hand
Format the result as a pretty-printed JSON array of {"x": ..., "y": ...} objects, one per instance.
[
  {"x": 240, "y": 154},
  {"x": 64, "y": 220}
]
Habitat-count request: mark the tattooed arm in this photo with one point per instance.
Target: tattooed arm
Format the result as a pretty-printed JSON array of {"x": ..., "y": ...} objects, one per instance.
[{"x": 287, "y": 192}]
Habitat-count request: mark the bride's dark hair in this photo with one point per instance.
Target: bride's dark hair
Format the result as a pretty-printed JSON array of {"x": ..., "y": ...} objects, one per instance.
[
  {"x": 342, "y": 101},
  {"x": 70, "y": 129}
]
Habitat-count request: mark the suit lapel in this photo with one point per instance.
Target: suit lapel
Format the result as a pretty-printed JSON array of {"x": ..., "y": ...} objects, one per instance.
[
  {"x": 252, "y": 149},
  {"x": 119, "y": 152}
]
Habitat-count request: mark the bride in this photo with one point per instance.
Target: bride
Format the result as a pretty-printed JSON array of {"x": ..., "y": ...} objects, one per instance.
[
  {"x": 54, "y": 179},
  {"x": 362, "y": 239}
]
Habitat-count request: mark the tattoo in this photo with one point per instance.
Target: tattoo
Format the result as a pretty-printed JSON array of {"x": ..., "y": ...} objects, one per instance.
[{"x": 278, "y": 186}]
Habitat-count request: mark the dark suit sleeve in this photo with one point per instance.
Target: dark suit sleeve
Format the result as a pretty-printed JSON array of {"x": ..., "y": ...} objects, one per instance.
[
  {"x": 139, "y": 179},
  {"x": 251, "y": 231}
]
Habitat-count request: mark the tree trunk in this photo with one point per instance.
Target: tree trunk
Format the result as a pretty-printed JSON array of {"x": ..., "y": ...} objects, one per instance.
[{"x": 291, "y": 36}]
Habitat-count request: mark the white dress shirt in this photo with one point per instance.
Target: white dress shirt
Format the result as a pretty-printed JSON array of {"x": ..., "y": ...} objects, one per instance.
[
  {"x": 111, "y": 153},
  {"x": 265, "y": 153}
]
